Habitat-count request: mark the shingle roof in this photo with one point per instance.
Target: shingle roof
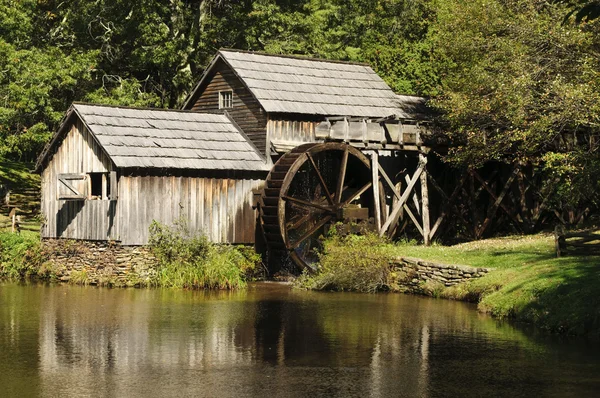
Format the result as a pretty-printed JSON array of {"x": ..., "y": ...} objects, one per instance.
[
  {"x": 314, "y": 86},
  {"x": 155, "y": 138}
]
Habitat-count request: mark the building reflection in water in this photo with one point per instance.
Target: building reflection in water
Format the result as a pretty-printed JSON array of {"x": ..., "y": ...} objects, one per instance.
[{"x": 101, "y": 342}]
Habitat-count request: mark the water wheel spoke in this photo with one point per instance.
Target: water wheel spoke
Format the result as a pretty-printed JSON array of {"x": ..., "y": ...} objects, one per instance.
[
  {"x": 297, "y": 223},
  {"x": 321, "y": 180},
  {"x": 315, "y": 182},
  {"x": 357, "y": 193},
  {"x": 304, "y": 203},
  {"x": 310, "y": 232},
  {"x": 342, "y": 176}
]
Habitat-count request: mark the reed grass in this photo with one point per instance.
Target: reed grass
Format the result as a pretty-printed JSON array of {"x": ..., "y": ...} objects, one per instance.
[
  {"x": 189, "y": 261},
  {"x": 21, "y": 255}
]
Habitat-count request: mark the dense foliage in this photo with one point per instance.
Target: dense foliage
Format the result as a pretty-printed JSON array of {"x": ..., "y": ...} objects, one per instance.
[
  {"x": 21, "y": 256},
  {"x": 357, "y": 263},
  {"x": 511, "y": 76},
  {"x": 519, "y": 86},
  {"x": 187, "y": 260}
]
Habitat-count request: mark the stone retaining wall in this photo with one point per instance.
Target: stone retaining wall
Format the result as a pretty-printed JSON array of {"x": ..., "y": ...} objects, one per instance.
[
  {"x": 419, "y": 271},
  {"x": 109, "y": 263},
  {"x": 99, "y": 263}
]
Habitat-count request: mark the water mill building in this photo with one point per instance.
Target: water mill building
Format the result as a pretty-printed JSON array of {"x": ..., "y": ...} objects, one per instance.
[{"x": 109, "y": 171}]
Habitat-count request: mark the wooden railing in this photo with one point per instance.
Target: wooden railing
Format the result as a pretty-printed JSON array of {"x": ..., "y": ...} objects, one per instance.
[
  {"x": 585, "y": 243},
  {"x": 20, "y": 210}
]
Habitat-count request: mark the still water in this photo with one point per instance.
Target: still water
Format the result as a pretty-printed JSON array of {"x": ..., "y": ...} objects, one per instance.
[{"x": 271, "y": 341}]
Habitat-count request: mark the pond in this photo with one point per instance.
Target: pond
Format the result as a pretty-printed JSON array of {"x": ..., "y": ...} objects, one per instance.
[{"x": 270, "y": 340}]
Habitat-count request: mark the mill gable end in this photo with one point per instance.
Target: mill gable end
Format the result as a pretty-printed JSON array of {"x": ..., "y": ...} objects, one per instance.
[{"x": 211, "y": 93}]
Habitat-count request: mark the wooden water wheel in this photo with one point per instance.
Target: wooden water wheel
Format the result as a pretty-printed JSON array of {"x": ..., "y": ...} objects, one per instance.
[{"x": 311, "y": 188}]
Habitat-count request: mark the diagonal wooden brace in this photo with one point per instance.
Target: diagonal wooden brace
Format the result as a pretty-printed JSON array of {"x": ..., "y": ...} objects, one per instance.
[{"x": 393, "y": 218}]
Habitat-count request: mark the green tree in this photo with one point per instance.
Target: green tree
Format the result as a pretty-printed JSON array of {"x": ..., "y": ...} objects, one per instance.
[
  {"x": 517, "y": 84},
  {"x": 390, "y": 35},
  {"x": 583, "y": 10}
]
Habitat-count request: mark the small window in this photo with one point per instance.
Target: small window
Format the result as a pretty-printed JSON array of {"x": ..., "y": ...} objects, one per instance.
[
  {"x": 96, "y": 185},
  {"x": 225, "y": 99},
  {"x": 102, "y": 186}
]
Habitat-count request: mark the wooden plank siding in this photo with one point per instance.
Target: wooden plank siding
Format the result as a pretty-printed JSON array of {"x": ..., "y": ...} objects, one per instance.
[
  {"x": 300, "y": 131},
  {"x": 221, "y": 208},
  {"x": 79, "y": 219},
  {"x": 246, "y": 111}
]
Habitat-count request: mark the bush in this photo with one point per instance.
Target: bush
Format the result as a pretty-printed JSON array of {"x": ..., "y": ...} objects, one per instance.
[
  {"x": 352, "y": 263},
  {"x": 188, "y": 260},
  {"x": 21, "y": 256}
]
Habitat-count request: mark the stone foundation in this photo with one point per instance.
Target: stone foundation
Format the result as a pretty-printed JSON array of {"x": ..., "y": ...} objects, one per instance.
[
  {"x": 419, "y": 271},
  {"x": 99, "y": 263},
  {"x": 110, "y": 264}
]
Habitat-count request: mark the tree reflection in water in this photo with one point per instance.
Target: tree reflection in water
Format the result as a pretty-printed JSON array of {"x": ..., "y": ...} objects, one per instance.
[{"x": 72, "y": 341}]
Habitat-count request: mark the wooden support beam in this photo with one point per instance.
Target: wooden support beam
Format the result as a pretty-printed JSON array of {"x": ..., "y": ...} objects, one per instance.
[
  {"x": 104, "y": 186},
  {"x": 375, "y": 175},
  {"x": 498, "y": 201},
  {"x": 482, "y": 187},
  {"x": 114, "y": 189},
  {"x": 425, "y": 202},
  {"x": 384, "y": 206},
  {"x": 387, "y": 179},
  {"x": 449, "y": 202},
  {"x": 415, "y": 198},
  {"x": 396, "y": 210},
  {"x": 394, "y": 225},
  {"x": 414, "y": 219}
]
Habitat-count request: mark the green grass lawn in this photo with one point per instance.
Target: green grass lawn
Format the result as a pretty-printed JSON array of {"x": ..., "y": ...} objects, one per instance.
[
  {"x": 528, "y": 282},
  {"x": 19, "y": 179}
]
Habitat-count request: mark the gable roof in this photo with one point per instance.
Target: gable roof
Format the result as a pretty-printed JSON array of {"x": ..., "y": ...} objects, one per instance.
[
  {"x": 288, "y": 84},
  {"x": 156, "y": 138}
]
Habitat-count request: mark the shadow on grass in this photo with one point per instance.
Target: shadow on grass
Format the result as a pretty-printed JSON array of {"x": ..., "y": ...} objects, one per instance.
[
  {"x": 18, "y": 175},
  {"x": 560, "y": 295}
]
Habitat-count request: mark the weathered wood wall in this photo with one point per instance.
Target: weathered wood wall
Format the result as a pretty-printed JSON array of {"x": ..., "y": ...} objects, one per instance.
[
  {"x": 289, "y": 131},
  {"x": 79, "y": 219},
  {"x": 221, "y": 208},
  {"x": 246, "y": 111}
]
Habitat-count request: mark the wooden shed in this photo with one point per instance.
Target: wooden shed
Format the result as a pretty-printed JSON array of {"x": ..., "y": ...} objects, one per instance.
[
  {"x": 280, "y": 100},
  {"x": 109, "y": 171}
]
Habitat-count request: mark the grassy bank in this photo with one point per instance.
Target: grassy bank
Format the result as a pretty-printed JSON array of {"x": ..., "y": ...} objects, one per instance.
[
  {"x": 189, "y": 261},
  {"x": 180, "y": 260},
  {"x": 528, "y": 282},
  {"x": 22, "y": 257}
]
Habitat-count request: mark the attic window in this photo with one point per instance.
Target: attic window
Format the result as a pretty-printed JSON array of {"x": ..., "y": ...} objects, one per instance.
[{"x": 225, "y": 99}]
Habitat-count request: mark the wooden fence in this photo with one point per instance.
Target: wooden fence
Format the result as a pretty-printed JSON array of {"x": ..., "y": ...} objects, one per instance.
[
  {"x": 20, "y": 209},
  {"x": 585, "y": 243}
]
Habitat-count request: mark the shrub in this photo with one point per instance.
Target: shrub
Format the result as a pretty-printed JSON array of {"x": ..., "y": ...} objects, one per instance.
[
  {"x": 352, "y": 263},
  {"x": 21, "y": 256},
  {"x": 188, "y": 260}
]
